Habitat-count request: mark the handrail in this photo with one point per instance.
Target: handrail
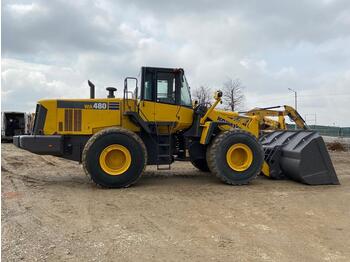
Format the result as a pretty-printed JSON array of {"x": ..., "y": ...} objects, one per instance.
[{"x": 126, "y": 92}]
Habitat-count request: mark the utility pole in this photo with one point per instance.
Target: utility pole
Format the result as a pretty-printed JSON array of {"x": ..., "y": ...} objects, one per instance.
[{"x": 295, "y": 101}]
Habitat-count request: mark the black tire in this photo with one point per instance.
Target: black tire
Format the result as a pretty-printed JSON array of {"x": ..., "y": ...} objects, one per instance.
[
  {"x": 197, "y": 154},
  {"x": 216, "y": 157},
  {"x": 109, "y": 136}
]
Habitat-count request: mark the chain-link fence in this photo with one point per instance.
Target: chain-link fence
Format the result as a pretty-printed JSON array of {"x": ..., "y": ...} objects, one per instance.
[
  {"x": 328, "y": 130},
  {"x": 331, "y": 134},
  {"x": 332, "y": 131}
]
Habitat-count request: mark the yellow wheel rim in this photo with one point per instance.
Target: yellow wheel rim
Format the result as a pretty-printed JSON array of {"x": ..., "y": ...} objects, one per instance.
[
  {"x": 115, "y": 159},
  {"x": 239, "y": 157}
]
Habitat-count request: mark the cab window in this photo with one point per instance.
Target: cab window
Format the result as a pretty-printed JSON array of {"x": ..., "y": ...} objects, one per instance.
[
  {"x": 185, "y": 92},
  {"x": 166, "y": 88},
  {"x": 148, "y": 87}
]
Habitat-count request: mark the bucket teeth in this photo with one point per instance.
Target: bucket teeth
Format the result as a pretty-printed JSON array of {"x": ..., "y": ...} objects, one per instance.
[{"x": 299, "y": 155}]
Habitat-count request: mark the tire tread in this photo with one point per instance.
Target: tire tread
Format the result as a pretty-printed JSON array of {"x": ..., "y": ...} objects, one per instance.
[
  {"x": 211, "y": 156},
  {"x": 107, "y": 131}
]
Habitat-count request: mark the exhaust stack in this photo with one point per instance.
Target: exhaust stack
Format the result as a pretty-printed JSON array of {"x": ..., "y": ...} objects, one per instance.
[{"x": 92, "y": 89}]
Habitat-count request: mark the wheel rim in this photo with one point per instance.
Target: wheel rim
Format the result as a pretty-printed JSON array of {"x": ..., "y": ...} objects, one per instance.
[
  {"x": 239, "y": 157},
  {"x": 115, "y": 159}
]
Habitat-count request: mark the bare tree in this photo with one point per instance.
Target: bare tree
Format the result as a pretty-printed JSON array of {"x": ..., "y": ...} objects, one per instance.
[
  {"x": 203, "y": 95},
  {"x": 233, "y": 96}
]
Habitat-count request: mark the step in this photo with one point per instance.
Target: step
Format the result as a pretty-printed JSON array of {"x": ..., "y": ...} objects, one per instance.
[
  {"x": 163, "y": 157},
  {"x": 163, "y": 144},
  {"x": 168, "y": 167}
]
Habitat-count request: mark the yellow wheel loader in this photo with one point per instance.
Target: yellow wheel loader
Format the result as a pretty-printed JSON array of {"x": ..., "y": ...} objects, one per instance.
[{"x": 157, "y": 124}]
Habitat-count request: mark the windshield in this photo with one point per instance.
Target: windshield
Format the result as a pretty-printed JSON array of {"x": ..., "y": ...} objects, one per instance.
[{"x": 185, "y": 92}]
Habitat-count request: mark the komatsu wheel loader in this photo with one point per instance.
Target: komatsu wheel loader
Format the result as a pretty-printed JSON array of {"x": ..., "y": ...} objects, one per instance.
[{"x": 158, "y": 123}]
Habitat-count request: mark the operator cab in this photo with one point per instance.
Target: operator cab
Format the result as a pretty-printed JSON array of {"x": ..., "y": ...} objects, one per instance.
[
  {"x": 165, "y": 85},
  {"x": 164, "y": 97}
]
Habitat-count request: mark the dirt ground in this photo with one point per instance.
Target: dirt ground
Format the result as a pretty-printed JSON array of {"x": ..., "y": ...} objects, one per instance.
[{"x": 52, "y": 212}]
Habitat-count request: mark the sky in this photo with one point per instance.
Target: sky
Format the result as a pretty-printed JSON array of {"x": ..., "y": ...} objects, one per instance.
[{"x": 51, "y": 48}]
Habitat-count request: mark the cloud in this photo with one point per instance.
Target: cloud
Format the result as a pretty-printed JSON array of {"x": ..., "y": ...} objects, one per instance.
[
  {"x": 50, "y": 48},
  {"x": 25, "y": 9},
  {"x": 24, "y": 83}
]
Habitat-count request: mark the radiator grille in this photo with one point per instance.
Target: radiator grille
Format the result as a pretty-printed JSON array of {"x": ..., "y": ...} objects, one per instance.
[
  {"x": 77, "y": 120},
  {"x": 72, "y": 120},
  {"x": 60, "y": 126}
]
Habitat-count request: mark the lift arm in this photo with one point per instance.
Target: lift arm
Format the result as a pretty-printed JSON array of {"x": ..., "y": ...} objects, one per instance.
[{"x": 228, "y": 119}]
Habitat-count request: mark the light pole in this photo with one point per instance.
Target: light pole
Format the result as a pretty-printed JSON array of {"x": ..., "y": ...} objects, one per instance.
[
  {"x": 295, "y": 101},
  {"x": 295, "y": 98}
]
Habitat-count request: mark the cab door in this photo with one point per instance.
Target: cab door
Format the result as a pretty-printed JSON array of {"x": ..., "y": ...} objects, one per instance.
[
  {"x": 166, "y": 108},
  {"x": 158, "y": 95}
]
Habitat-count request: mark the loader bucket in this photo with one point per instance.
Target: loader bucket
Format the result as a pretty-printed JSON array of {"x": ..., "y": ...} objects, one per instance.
[{"x": 301, "y": 156}]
